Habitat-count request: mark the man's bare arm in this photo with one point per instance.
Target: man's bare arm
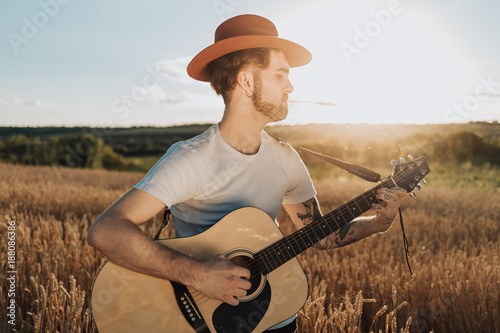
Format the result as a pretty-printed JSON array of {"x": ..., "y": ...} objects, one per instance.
[
  {"x": 116, "y": 235},
  {"x": 308, "y": 211}
]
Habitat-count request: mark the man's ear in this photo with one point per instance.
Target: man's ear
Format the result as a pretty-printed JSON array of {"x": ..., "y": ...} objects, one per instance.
[{"x": 245, "y": 80}]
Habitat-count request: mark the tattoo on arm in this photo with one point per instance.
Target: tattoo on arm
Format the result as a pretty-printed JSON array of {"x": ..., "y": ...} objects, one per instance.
[
  {"x": 341, "y": 237},
  {"x": 312, "y": 212}
]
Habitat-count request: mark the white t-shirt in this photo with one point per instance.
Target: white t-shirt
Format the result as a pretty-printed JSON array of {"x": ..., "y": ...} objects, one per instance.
[{"x": 203, "y": 179}]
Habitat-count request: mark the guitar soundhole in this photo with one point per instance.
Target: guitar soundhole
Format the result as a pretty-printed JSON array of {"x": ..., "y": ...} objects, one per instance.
[{"x": 256, "y": 278}]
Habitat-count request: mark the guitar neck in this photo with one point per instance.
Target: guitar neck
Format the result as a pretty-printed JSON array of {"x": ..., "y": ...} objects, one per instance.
[{"x": 289, "y": 247}]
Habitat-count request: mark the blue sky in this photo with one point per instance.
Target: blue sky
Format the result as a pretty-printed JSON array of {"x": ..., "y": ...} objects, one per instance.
[{"x": 122, "y": 63}]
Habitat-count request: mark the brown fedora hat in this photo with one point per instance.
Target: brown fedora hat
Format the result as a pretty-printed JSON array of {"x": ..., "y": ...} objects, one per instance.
[{"x": 245, "y": 32}]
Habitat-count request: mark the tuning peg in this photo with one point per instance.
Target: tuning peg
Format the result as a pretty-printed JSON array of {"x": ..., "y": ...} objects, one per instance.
[
  {"x": 410, "y": 158},
  {"x": 402, "y": 160},
  {"x": 415, "y": 189},
  {"x": 423, "y": 181},
  {"x": 394, "y": 162}
]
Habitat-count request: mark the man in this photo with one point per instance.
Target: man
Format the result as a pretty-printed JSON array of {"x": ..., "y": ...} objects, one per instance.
[{"x": 234, "y": 164}]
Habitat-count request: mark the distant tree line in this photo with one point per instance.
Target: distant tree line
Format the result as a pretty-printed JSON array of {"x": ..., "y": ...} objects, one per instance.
[
  {"x": 81, "y": 151},
  {"x": 115, "y": 151},
  {"x": 463, "y": 147},
  {"x": 458, "y": 147},
  {"x": 141, "y": 146},
  {"x": 86, "y": 147}
]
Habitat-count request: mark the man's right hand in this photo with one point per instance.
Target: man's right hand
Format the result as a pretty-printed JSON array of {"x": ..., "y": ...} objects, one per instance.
[{"x": 222, "y": 280}]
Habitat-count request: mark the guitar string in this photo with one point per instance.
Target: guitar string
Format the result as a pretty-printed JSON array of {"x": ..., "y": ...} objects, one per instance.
[
  {"x": 198, "y": 302},
  {"x": 326, "y": 221},
  {"x": 200, "y": 299},
  {"x": 314, "y": 230},
  {"x": 274, "y": 251}
]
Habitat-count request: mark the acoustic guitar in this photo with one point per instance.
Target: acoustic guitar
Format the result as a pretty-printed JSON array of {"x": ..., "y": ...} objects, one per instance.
[{"x": 127, "y": 301}]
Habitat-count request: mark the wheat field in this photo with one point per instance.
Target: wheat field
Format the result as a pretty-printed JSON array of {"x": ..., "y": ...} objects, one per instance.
[{"x": 365, "y": 287}]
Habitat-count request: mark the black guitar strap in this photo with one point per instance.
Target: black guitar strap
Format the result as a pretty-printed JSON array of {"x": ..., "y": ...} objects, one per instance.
[
  {"x": 166, "y": 215},
  {"x": 354, "y": 169}
]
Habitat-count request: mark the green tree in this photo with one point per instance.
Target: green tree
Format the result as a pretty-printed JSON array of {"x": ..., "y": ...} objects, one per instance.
[
  {"x": 465, "y": 146},
  {"x": 112, "y": 160},
  {"x": 81, "y": 151}
]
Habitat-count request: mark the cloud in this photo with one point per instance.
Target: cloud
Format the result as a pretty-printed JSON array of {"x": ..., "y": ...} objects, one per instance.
[
  {"x": 174, "y": 88},
  {"x": 159, "y": 95},
  {"x": 495, "y": 98},
  {"x": 22, "y": 102},
  {"x": 190, "y": 93},
  {"x": 189, "y": 99},
  {"x": 175, "y": 99},
  {"x": 175, "y": 70}
]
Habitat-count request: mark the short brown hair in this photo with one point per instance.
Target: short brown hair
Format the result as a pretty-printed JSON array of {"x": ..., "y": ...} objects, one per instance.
[{"x": 224, "y": 70}]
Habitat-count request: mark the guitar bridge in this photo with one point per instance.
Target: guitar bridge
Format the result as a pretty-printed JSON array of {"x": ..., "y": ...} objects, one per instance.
[{"x": 188, "y": 308}]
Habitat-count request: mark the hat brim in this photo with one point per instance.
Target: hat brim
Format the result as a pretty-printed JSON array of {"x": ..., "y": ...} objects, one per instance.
[{"x": 295, "y": 54}]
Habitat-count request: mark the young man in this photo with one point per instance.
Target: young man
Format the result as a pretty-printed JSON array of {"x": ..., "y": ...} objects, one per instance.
[{"x": 234, "y": 164}]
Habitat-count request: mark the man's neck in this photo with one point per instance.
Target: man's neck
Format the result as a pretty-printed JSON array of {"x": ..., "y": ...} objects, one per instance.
[{"x": 242, "y": 130}]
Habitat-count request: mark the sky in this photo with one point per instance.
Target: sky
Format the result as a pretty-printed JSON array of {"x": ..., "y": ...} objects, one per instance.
[{"x": 123, "y": 63}]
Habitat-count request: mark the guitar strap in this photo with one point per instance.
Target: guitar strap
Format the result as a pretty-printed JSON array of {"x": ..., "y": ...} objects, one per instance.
[
  {"x": 166, "y": 215},
  {"x": 354, "y": 169}
]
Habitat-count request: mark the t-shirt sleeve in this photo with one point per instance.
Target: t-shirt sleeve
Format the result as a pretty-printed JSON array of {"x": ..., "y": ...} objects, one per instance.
[
  {"x": 301, "y": 187},
  {"x": 176, "y": 177}
]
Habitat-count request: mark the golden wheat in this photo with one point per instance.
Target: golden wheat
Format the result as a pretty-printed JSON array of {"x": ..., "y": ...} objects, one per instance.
[{"x": 365, "y": 287}]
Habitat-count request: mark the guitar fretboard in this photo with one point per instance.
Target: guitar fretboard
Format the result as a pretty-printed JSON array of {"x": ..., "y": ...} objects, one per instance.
[{"x": 289, "y": 247}]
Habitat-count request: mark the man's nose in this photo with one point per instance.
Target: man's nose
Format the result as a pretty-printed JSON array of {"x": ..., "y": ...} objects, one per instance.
[{"x": 288, "y": 87}]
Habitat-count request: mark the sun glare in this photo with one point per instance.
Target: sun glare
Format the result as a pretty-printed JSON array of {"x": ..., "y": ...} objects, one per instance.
[{"x": 409, "y": 71}]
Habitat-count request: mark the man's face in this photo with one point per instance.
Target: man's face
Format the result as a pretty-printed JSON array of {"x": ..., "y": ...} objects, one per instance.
[{"x": 271, "y": 88}]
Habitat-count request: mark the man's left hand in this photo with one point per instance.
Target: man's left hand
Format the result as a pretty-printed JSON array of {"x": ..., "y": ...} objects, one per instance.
[{"x": 387, "y": 208}]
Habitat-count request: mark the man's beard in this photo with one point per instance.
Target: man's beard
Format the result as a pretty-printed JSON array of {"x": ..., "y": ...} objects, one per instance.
[{"x": 272, "y": 111}]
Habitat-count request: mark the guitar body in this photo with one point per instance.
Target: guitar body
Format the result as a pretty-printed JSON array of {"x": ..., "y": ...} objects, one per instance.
[{"x": 127, "y": 301}]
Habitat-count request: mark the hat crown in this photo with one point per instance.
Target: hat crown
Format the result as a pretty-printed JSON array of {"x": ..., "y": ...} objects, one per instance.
[
  {"x": 245, "y": 25},
  {"x": 245, "y": 32}
]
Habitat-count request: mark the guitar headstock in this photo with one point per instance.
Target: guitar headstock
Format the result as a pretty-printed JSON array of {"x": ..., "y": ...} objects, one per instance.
[{"x": 408, "y": 174}]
